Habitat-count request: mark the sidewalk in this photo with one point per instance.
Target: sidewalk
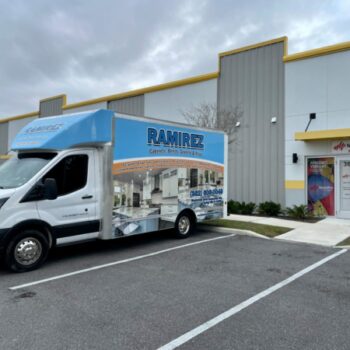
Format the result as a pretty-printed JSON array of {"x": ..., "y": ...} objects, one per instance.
[{"x": 327, "y": 232}]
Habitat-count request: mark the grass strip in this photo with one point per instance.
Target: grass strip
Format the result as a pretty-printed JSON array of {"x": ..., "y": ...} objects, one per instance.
[
  {"x": 266, "y": 230},
  {"x": 345, "y": 242}
]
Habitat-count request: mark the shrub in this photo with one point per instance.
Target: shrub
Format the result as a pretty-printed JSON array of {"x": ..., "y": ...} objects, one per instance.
[
  {"x": 234, "y": 207},
  {"x": 247, "y": 208},
  {"x": 269, "y": 208},
  {"x": 299, "y": 212}
]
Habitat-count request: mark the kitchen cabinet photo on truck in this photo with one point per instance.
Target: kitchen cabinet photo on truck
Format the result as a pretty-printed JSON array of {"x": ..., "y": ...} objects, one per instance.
[{"x": 103, "y": 175}]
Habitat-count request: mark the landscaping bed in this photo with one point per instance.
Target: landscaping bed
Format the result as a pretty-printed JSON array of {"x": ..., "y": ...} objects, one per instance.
[{"x": 271, "y": 209}]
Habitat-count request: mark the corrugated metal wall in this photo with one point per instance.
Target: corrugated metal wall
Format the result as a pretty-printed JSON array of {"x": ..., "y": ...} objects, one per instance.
[
  {"x": 51, "y": 107},
  {"x": 131, "y": 105},
  {"x": 254, "y": 81},
  {"x": 3, "y": 138}
]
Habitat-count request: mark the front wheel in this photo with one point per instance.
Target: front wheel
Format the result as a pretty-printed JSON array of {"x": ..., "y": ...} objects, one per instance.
[
  {"x": 184, "y": 225},
  {"x": 26, "y": 251}
]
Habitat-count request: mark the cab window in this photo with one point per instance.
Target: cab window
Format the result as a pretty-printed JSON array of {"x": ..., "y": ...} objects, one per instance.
[{"x": 70, "y": 174}]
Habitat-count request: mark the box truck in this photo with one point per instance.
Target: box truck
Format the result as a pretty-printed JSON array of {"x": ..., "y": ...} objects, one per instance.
[{"x": 103, "y": 175}]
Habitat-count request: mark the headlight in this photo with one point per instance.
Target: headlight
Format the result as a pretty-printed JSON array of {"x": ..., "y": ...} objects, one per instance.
[{"x": 2, "y": 201}]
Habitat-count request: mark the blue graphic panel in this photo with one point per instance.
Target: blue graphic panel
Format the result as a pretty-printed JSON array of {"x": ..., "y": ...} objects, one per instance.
[{"x": 141, "y": 139}]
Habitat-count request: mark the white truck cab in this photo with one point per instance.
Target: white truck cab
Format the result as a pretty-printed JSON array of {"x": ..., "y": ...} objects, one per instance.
[{"x": 101, "y": 175}]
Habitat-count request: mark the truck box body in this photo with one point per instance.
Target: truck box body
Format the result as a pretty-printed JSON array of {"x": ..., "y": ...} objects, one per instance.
[{"x": 116, "y": 175}]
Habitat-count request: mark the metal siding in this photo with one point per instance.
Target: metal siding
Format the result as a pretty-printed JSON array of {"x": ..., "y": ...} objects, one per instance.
[
  {"x": 3, "y": 138},
  {"x": 51, "y": 107},
  {"x": 254, "y": 80},
  {"x": 131, "y": 105}
]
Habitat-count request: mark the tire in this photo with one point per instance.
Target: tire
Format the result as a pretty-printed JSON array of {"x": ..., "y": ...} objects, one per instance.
[
  {"x": 184, "y": 225},
  {"x": 26, "y": 251}
]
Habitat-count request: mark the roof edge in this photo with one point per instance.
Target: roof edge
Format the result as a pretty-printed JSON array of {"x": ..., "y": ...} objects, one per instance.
[
  {"x": 132, "y": 93},
  {"x": 20, "y": 116},
  {"x": 63, "y": 96},
  {"x": 257, "y": 45},
  {"x": 321, "y": 51}
]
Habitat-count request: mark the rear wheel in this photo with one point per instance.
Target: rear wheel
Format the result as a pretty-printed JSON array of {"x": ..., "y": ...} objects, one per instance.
[
  {"x": 184, "y": 225},
  {"x": 26, "y": 251}
]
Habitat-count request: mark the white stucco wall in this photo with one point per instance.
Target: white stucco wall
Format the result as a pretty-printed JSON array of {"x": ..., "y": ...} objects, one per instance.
[
  {"x": 86, "y": 108},
  {"x": 15, "y": 126},
  {"x": 315, "y": 85},
  {"x": 168, "y": 104}
]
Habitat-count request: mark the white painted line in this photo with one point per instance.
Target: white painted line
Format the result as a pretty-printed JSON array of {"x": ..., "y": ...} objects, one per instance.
[
  {"x": 214, "y": 321},
  {"x": 98, "y": 267}
]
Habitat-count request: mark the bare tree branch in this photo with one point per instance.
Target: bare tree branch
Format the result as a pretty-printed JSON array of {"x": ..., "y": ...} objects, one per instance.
[{"x": 209, "y": 116}]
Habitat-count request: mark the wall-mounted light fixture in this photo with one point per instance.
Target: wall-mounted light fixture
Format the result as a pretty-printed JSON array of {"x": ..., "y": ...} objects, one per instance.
[
  {"x": 273, "y": 120},
  {"x": 238, "y": 124},
  {"x": 295, "y": 158},
  {"x": 312, "y": 116}
]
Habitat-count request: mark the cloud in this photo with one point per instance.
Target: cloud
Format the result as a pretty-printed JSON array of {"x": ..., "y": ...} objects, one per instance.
[{"x": 88, "y": 49}]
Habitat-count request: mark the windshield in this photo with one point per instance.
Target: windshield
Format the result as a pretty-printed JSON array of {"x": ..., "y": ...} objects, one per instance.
[{"x": 16, "y": 172}]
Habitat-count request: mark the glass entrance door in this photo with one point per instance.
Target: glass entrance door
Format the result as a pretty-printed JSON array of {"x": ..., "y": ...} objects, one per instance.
[
  {"x": 320, "y": 185},
  {"x": 343, "y": 193}
]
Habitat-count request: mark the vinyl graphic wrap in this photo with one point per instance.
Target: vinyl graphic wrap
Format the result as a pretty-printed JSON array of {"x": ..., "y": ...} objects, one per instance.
[
  {"x": 320, "y": 186},
  {"x": 159, "y": 170}
]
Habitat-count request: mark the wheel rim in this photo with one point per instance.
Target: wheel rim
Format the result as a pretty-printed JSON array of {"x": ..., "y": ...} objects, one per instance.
[
  {"x": 28, "y": 251},
  {"x": 184, "y": 225}
]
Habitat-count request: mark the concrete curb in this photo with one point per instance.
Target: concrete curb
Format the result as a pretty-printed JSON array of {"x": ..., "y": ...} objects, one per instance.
[{"x": 232, "y": 230}]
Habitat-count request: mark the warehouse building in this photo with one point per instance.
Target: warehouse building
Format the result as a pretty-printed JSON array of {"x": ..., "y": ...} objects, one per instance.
[{"x": 272, "y": 157}]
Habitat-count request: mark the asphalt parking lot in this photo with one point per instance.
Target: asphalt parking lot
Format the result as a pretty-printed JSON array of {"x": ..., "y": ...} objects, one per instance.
[{"x": 153, "y": 291}]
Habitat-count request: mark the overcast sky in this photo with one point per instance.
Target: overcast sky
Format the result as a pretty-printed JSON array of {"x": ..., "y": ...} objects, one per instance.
[{"x": 92, "y": 48}]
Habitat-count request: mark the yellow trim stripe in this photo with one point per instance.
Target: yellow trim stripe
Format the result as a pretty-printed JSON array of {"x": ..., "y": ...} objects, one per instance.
[
  {"x": 255, "y": 46},
  {"x": 142, "y": 91},
  {"x": 326, "y": 50},
  {"x": 322, "y": 135},
  {"x": 4, "y": 156},
  {"x": 63, "y": 96},
  {"x": 21, "y": 116},
  {"x": 294, "y": 184}
]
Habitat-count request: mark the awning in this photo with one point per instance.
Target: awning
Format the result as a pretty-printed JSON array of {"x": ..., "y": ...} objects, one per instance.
[{"x": 323, "y": 135}]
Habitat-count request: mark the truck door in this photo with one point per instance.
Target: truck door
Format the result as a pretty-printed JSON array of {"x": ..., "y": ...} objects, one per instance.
[{"x": 73, "y": 214}]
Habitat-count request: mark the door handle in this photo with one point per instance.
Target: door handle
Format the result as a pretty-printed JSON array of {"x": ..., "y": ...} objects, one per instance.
[{"x": 87, "y": 197}]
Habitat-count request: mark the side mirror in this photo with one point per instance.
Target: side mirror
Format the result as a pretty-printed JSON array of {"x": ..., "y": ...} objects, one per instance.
[{"x": 50, "y": 189}]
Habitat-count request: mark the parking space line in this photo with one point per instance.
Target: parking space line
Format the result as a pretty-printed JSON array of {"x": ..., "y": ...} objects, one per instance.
[
  {"x": 98, "y": 267},
  {"x": 216, "y": 320}
]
